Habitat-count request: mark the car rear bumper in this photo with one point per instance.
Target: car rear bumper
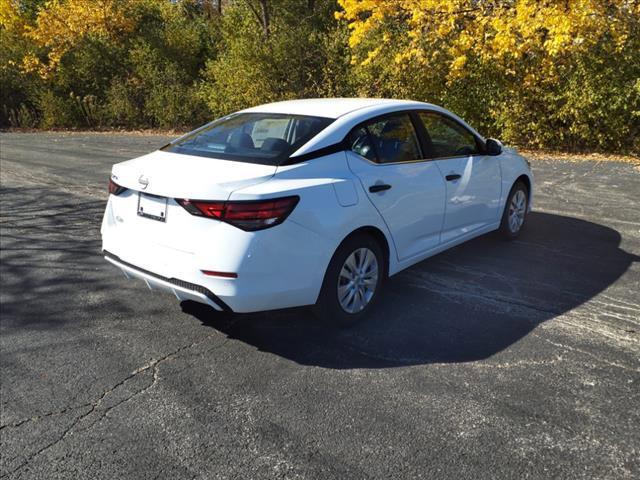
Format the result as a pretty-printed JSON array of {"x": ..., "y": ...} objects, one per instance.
[
  {"x": 182, "y": 289},
  {"x": 276, "y": 268}
]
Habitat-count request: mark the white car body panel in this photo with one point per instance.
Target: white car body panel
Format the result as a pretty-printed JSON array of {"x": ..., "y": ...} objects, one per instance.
[
  {"x": 512, "y": 167},
  {"x": 472, "y": 201},
  {"x": 327, "y": 107},
  {"x": 413, "y": 208},
  {"x": 187, "y": 176},
  {"x": 284, "y": 266}
]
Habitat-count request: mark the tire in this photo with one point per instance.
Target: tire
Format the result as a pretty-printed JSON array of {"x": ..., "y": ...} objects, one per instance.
[
  {"x": 515, "y": 212},
  {"x": 359, "y": 249}
]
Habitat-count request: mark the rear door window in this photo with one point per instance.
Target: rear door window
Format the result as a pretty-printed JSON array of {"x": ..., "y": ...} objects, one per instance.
[
  {"x": 360, "y": 142},
  {"x": 391, "y": 139}
]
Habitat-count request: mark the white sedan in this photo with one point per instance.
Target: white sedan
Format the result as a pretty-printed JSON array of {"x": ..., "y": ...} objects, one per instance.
[{"x": 309, "y": 202}]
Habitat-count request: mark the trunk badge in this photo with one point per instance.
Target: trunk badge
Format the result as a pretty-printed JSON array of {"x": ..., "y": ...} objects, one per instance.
[{"x": 144, "y": 181}]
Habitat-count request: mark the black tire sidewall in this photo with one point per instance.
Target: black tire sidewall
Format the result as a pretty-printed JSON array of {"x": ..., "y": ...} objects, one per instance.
[
  {"x": 328, "y": 307},
  {"x": 504, "y": 224}
]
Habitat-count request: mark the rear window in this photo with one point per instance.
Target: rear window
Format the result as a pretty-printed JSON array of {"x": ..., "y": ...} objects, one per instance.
[{"x": 265, "y": 138}]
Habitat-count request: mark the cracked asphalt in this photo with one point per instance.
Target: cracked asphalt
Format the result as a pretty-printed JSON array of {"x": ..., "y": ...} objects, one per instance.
[{"x": 491, "y": 360}]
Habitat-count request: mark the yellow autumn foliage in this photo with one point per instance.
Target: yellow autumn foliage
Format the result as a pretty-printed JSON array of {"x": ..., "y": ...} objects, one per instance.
[
  {"x": 62, "y": 23},
  {"x": 10, "y": 17},
  {"x": 537, "y": 72},
  {"x": 503, "y": 32}
]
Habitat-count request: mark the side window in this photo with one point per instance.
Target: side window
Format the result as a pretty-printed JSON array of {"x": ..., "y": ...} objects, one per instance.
[
  {"x": 448, "y": 138},
  {"x": 360, "y": 143},
  {"x": 395, "y": 139},
  {"x": 392, "y": 139}
]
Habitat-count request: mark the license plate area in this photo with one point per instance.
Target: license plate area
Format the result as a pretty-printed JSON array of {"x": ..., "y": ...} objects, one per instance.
[{"x": 152, "y": 206}]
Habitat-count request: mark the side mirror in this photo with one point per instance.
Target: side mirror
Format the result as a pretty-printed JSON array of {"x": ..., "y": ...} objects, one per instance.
[{"x": 493, "y": 147}]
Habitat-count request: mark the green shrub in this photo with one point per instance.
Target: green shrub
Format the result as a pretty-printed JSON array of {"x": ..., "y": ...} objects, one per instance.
[
  {"x": 57, "y": 111},
  {"x": 20, "y": 117},
  {"x": 124, "y": 104}
]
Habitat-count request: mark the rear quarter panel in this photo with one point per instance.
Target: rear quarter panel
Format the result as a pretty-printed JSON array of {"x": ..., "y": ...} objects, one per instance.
[{"x": 332, "y": 205}]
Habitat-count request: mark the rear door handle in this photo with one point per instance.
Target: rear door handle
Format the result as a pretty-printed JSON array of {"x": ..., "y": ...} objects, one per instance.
[
  {"x": 379, "y": 187},
  {"x": 452, "y": 177}
]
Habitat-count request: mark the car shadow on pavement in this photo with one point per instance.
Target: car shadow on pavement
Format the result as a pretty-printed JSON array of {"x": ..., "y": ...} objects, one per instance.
[{"x": 463, "y": 305}]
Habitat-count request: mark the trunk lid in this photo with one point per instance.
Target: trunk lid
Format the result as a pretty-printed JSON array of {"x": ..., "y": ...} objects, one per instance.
[
  {"x": 174, "y": 175},
  {"x": 145, "y": 226}
]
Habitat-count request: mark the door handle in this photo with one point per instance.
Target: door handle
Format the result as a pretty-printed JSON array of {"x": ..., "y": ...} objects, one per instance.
[
  {"x": 381, "y": 187},
  {"x": 452, "y": 177}
]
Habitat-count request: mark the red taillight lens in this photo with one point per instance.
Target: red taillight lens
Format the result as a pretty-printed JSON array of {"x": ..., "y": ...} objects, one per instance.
[
  {"x": 114, "y": 188},
  {"x": 206, "y": 209},
  {"x": 248, "y": 216}
]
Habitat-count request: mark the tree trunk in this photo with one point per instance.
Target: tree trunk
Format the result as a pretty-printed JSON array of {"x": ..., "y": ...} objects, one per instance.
[{"x": 261, "y": 12}]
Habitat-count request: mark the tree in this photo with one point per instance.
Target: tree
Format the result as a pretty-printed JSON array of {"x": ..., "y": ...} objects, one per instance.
[
  {"x": 260, "y": 9},
  {"x": 275, "y": 51},
  {"x": 60, "y": 25},
  {"x": 524, "y": 54}
]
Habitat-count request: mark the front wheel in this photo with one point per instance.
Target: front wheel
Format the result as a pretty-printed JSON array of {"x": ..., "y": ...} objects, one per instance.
[
  {"x": 352, "y": 282},
  {"x": 515, "y": 211}
]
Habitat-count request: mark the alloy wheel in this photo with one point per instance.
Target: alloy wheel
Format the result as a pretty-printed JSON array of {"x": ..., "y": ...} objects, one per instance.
[
  {"x": 517, "y": 211},
  {"x": 358, "y": 280}
]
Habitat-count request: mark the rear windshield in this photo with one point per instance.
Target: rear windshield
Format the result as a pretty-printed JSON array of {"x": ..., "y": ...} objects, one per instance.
[{"x": 266, "y": 138}]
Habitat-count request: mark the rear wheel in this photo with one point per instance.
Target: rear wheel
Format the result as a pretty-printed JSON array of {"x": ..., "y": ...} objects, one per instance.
[
  {"x": 352, "y": 281},
  {"x": 515, "y": 211}
]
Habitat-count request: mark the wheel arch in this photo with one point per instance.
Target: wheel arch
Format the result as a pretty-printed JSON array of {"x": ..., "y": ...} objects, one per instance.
[
  {"x": 379, "y": 236},
  {"x": 527, "y": 182},
  {"x": 372, "y": 232}
]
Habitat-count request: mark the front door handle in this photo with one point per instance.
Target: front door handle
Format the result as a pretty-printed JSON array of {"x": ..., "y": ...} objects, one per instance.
[
  {"x": 381, "y": 187},
  {"x": 452, "y": 177}
]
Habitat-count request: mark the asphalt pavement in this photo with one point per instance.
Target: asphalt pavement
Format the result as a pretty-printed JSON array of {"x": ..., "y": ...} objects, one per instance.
[{"x": 492, "y": 360}]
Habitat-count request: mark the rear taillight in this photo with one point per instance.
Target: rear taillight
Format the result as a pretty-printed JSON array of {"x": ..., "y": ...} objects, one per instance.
[
  {"x": 114, "y": 188},
  {"x": 250, "y": 216}
]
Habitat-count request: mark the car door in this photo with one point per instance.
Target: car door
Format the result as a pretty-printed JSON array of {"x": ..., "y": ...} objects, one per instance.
[
  {"x": 473, "y": 180},
  {"x": 407, "y": 190}
]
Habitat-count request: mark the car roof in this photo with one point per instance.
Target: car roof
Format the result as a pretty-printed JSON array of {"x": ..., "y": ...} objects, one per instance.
[
  {"x": 330, "y": 107},
  {"x": 346, "y": 114}
]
